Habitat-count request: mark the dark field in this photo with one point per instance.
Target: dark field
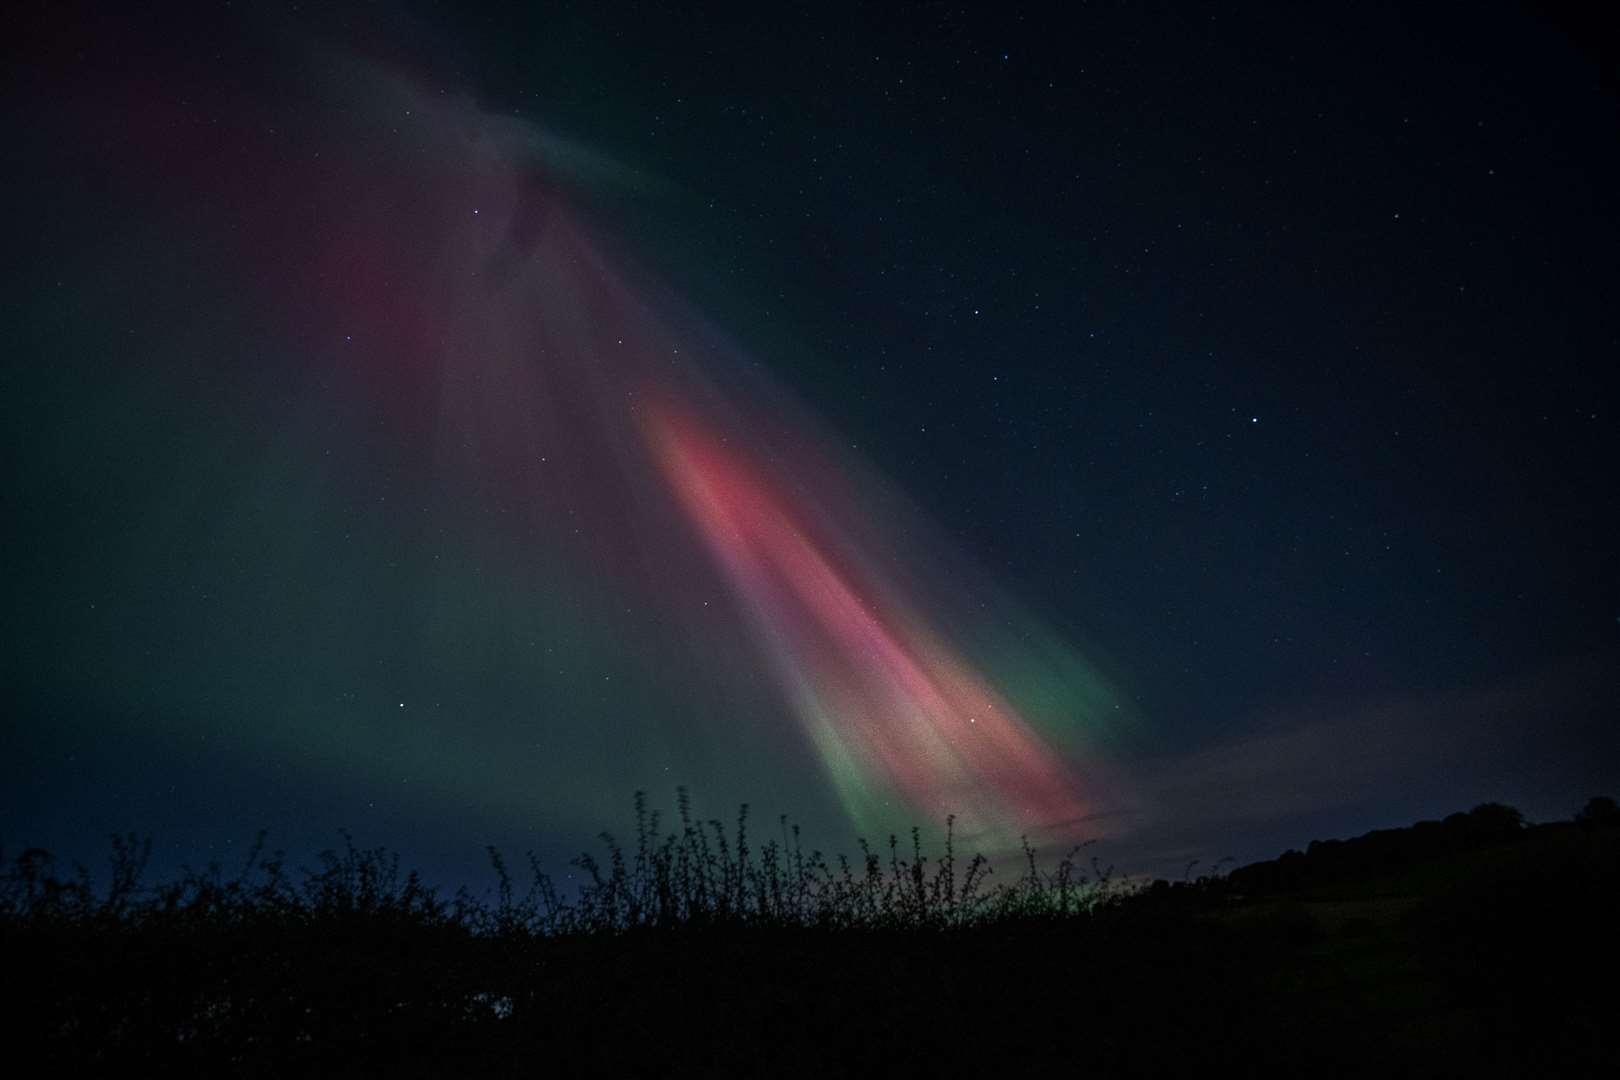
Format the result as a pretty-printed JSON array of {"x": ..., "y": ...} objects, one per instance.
[{"x": 1474, "y": 946}]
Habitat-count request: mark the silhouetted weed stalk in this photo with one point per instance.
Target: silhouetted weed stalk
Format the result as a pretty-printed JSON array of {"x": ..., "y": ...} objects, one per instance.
[{"x": 697, "y": 875}]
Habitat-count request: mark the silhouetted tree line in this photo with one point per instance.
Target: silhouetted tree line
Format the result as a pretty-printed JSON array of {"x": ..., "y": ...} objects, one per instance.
[{"x": 1386, "y": 852}]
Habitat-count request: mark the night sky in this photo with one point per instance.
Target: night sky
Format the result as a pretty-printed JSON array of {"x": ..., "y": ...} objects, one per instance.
[{"x": 1188, "y": 428}]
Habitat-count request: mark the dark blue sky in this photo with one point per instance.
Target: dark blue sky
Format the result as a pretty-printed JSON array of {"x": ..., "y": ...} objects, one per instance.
[
  {"x": 1276, "y": 343},
  {"x": 1271, "y": 347},
  {"x": 1267, "y": 353}
]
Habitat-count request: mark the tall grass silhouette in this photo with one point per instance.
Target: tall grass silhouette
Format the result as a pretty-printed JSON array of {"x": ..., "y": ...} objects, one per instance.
[
  {"x": 700, "y": 875},
  {"x": 712, "y": 949}
]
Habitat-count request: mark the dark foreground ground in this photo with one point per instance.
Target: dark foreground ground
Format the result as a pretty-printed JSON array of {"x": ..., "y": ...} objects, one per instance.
[{"x": 1475, "y": 948}]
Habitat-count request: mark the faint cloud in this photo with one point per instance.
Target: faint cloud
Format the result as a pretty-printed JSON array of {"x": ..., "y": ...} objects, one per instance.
[{"x": 1534, "y": 738}]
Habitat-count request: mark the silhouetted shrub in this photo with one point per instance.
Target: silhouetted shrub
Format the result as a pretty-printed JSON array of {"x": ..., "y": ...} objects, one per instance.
[{"x": 1600, "y": 812}]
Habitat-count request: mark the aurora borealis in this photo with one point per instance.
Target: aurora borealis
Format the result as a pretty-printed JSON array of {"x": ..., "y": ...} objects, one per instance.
[
  {"x": 620, "y": 525},
  {"x": 401, "y": 439},
  {"x": 886, "y": 709}
]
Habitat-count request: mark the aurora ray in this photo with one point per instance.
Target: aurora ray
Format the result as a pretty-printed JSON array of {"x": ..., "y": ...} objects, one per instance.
[{"x": 886, "y": 703}]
